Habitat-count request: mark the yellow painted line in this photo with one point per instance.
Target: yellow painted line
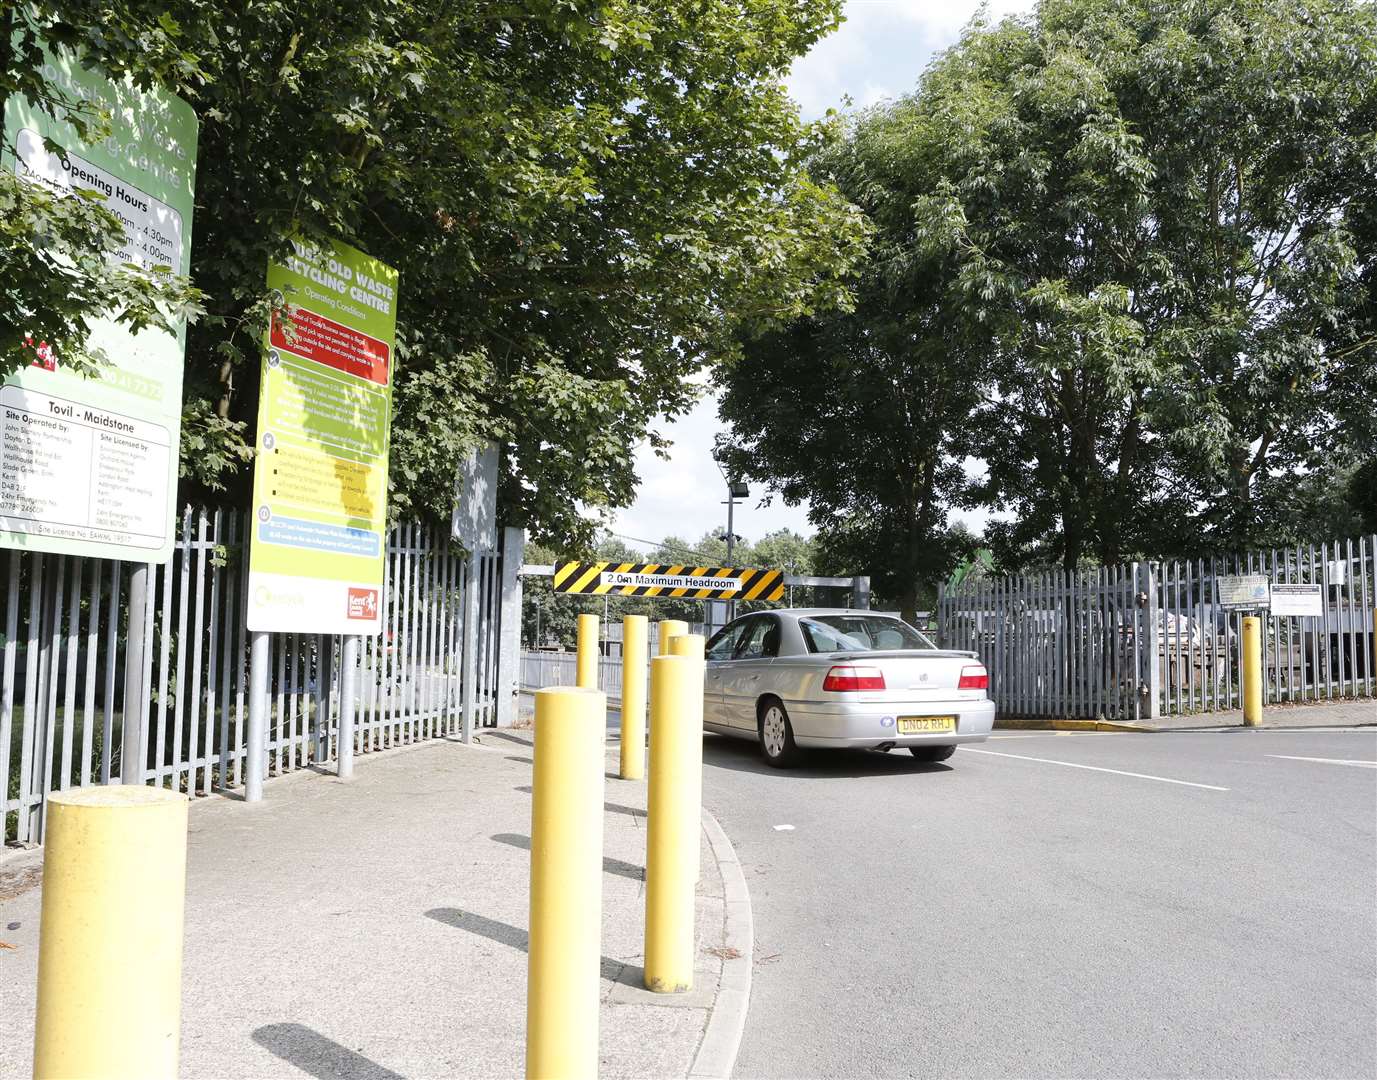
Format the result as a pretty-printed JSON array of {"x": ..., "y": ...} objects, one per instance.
[
  {"x": 1095, "y": 768},
  {"x": 1022, "y": 724},
  {"x": 564, "y": 571}
]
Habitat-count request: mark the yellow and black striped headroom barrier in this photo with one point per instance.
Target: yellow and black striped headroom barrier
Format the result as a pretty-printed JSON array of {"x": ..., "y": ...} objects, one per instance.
[{"x": 658, "y": 579}]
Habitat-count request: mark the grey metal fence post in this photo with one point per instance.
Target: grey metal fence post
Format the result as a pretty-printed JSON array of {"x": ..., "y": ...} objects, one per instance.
[
  {"x": 255, "y": 751},
  {"x": 348, "y": 681},
  {"x": 1155, "y": 620},
  {"x": 135, "y": 700},
  {"x": 1147, "y": 643},
  {"x": 509, "y": 647}
]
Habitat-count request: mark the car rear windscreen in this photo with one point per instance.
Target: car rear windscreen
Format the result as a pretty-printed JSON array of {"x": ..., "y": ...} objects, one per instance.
[{"x": 860, "y": 633}]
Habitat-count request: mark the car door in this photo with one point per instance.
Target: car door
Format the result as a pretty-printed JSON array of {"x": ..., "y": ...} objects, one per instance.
[
  {"x": 720, "y": 649},
  {"x": 746, "y": 674}
]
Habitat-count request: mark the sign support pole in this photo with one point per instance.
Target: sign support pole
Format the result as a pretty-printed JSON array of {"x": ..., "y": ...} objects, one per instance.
[
  {"x": 255, "y": 753},
  {"x": 470, "y": 661},
  {"x": 348, "y": 681},
  {"x": 135, "y": 700}
]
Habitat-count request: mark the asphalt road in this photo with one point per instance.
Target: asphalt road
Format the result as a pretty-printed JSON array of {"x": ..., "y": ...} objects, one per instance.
[{"x": 1002, "y": 916}]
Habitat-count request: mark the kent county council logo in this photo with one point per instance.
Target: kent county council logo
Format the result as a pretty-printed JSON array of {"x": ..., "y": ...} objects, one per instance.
[{"x": 363, "y": 603}]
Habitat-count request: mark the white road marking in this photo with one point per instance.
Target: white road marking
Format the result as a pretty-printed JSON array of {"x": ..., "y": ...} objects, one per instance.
[
  {"x": 784, "y": 828},
  {"x": 1096, "y": 768},
  {"x": 1328, "y": 760}
]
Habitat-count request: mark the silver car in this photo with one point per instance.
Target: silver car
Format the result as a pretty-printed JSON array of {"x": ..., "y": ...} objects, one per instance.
[{"x": 840, "y": 677}]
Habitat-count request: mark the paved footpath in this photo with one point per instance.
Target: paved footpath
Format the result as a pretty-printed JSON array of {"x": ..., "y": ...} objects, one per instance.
[{"x": 377, "y": 929}]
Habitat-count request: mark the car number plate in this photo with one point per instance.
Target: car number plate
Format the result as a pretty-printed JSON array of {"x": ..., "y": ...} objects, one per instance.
[{"x": 926, "y": 725}]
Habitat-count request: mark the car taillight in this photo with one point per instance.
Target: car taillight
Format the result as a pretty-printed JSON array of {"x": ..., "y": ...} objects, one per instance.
[
  {"x": 974, "y": 678},
  {"x": 846, "y": 677}
]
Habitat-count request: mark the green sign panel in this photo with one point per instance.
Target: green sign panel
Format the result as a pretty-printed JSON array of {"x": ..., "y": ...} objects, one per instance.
[
  {"x": 88, "y": 466},
  {"x": 324, "y": 416}
]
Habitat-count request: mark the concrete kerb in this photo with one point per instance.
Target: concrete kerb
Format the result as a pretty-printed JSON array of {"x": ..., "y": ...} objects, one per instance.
[{"x": 716, "y": 1056}]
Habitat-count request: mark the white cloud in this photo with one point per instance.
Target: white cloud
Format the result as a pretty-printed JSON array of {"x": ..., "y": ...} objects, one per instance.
[
  {"x": 882, "y": 43},
  {"x": 683, "y": 496}
]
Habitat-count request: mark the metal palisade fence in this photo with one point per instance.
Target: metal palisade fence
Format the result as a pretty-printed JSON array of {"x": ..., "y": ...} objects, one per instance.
[
  {"x": 64, "y": 690},
  {"x": 1151, "y": 639}
]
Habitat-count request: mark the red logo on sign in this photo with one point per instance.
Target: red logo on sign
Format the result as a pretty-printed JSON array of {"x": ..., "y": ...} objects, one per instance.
[
  {"x": 363, "y": 603},
  {"x": 43, "y": 351}
]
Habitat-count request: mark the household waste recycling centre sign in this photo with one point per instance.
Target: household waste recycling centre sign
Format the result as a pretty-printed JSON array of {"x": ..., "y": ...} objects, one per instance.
[
  {"x": 324, "y": 418},
  {"x": 88, "y": 466}
]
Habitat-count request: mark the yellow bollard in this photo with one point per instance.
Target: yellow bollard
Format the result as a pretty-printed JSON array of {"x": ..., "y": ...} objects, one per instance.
[
  {"x": 565, "y": 950},
  {"x": 672, "y": 821},
  {"x": 110, "y": 934},
  {"x": 690, "y": 645},
  {"x": 633, "y": 697},
  {"x": 670, "y": 628},
  {"x": 588, "y": 653},
  {"x": 1252, "y": 671}
]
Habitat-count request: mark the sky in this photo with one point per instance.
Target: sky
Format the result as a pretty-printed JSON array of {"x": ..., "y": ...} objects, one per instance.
[{"x": 877, "y": 53}]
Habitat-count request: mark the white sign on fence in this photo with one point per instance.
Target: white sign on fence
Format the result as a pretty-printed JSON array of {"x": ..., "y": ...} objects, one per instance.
[
  {"x": 474, "y": 521},
  {"x": 1337, "y": 571},
  {"x": 1303, "y": 600},
  {"x": 1242, "y": 592}
]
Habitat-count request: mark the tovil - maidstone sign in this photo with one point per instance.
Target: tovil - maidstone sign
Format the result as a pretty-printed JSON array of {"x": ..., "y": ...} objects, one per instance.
[{"x": 88, "y": 466}]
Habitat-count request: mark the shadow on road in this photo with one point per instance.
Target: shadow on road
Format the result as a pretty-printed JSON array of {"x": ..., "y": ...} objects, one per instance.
[
  {"x": 609, "y": 865},
  {"x": 314, "y": 1054},
  {"x": 741, "y": 755},
  {"x": 507, "y": 934}
]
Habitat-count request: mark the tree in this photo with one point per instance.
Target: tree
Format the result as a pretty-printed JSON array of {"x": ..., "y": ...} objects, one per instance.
[
  {"x": 1149, "y": 207},
  {"x": 583, "y": 201},
  {"x": 864, "y": 414},
  {"x": 57, "y": 260}
]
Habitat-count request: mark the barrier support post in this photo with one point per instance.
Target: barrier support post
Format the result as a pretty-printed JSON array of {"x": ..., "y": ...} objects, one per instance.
[
  {"x": 634, "y": 661},
  {"x": 564, "y": 962},
  {"x": 672, "y": 821},
  {"x": 348, "y": 693},
  {"x": 587, "y": 676},
  {"x": 110, "y": 934}
]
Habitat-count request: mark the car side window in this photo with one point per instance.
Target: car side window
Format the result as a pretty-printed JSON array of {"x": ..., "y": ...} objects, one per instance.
[
  {"x": 724, "y": 642},
  {"x": 754, "y": 640},
  {"x": 772, "y": 636}
]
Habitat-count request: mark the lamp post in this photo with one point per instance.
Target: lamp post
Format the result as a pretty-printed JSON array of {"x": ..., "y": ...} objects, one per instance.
[{"x": 736, "y": 489}]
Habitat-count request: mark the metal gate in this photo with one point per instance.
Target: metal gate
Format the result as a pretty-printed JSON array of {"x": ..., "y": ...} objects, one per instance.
[{"x": 1150, "y": 639}]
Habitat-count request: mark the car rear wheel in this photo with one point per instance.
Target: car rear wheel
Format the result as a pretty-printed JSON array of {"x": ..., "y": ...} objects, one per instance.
[
  {"x": 776, "y": 735},
  {"x": 932, "y": 753}
]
